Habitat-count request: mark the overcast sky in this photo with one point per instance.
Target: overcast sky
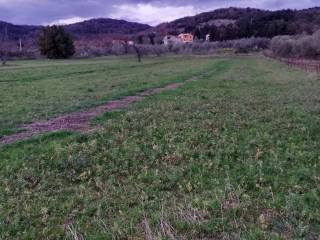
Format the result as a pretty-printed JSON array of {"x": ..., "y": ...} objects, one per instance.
[{"x": 145, "y": 11}]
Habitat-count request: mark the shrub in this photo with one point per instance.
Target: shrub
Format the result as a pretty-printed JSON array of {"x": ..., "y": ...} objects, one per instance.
[
  {"x": 300, "y": 46},
  {"x": 240, "y": 46},
  {"x": 282, "y": 46}
]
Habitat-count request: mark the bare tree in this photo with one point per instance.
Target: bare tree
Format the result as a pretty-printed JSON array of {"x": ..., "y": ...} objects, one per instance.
[
  {"x": 152, "y": 36},
  {"x": 125, "y": 46},
  {"x": 138, "y": 52}
]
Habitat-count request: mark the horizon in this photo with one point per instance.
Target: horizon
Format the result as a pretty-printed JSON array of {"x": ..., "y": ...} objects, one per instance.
[{"x": 151, "y": 12}]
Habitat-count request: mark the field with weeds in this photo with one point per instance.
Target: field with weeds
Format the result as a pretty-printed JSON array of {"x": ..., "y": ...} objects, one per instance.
[
  {"x": 37, "y": 90},
  {"x": 233, "y": 154}
]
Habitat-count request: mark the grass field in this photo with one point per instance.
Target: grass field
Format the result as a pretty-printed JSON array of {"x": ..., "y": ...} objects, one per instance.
[
  {"x": 232, "y": 155},
  {"x": 37, "y": 90}
]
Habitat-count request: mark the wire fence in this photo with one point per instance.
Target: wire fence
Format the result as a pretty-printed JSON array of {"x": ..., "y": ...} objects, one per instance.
[{"x": 304, "y": 64}]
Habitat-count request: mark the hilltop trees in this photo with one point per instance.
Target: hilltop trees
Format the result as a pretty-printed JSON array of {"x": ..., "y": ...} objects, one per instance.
[
  {"x": 56, "y": 43},
  {"x": 230, "y": 24}
]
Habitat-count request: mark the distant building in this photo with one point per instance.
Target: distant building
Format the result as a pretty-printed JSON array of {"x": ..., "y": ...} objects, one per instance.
[
  {"x": 181, "y": 38},
  {"x": 171, "y": 40},
  {"x": 186, "y": 37},
  {"x": 122, "y": 42},
  {"x": 208, "y": 36}
]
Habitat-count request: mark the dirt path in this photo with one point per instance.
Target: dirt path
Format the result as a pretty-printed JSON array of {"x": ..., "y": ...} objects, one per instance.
[{"x": 80, "y": 121}]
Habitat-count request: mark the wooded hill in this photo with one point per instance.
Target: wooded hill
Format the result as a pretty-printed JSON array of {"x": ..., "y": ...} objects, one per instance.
[
  {"x": 221, "y": 24},
  {"x": 78, "y": 30},
  {"x": 233, "y": 23}
]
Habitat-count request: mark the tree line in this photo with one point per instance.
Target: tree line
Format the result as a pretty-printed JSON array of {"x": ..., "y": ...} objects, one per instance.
[{"x": 259, "y": 24}]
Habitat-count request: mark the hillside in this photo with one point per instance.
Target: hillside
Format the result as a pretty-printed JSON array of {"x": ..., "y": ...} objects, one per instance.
[
  {"x": 231, "y": 23},
  {"x": 14, "y": 32},
  {"x": 105, "y": 26}
]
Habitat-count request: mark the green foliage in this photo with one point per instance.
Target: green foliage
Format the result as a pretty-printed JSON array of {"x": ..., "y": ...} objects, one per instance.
[
  {"x": 106, "y": 116},
  {"x": 236, "y": 23},
  {"x": 300, "y": 46},
  {"x": 56, "y": 43}
]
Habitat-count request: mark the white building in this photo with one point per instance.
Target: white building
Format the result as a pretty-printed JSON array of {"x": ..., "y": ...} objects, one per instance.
[{"x": 171, "y": 40}]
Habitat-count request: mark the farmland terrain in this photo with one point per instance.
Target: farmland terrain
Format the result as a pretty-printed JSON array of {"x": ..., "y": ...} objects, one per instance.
[{"x": 232, "y": 154}]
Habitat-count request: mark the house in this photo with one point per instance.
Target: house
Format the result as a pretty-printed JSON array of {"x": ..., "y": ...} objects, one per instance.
[
  {"x": 186, "y": 37},
  {"x": 208, "y": 36},
  {"x": 171, "y": 40},
  {"x": 181, "y": 38}
]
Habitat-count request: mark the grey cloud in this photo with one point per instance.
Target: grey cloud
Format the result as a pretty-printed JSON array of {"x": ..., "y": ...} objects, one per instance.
[{"x": 46, "y": 11}]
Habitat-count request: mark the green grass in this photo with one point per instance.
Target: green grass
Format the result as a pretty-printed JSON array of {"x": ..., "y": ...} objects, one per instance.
[
  {"x": 100, "y": 120},
  {"x": 233, "y": 155},
  {"x": 37, "y": 90}
]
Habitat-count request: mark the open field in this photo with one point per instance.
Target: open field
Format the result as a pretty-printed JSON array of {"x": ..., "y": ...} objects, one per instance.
[
  {"x": 36, "y": 90},
  {"x": 232, "y": 155}
]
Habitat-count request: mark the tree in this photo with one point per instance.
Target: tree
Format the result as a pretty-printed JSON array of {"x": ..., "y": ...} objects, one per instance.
[
  {"x": 231, "y": 32},
  {"x": 140, "y": 39},
  {"x": 189, "y": 29},
  {"x": 138, "y": 53},
  {"x": 56, "y": 43},
  {"x": 197, "y": 34},
  {"x": 204, "y": 31},
  {"x": 126, "y": 46},
  {"x": 152, "y": 36},
  {"x": 214, "y": 34},
  {"x": 245, "y": 27}
]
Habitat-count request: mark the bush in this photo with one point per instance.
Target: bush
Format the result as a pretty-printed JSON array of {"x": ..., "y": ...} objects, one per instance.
[
  {"x": 300, "y": 46},
  {"x": 56, "y": 43},
  {"x": 282, "y": 45},
  {"x": 238, "y": 46}
]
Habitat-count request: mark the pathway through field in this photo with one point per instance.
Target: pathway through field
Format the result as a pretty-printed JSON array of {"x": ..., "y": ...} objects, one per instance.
[{"x": 80, "y": 121}]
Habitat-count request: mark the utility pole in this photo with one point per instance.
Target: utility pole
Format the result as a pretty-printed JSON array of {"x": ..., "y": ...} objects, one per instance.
[{"x": 20, "y": 45}]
